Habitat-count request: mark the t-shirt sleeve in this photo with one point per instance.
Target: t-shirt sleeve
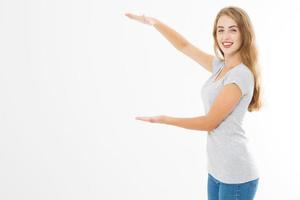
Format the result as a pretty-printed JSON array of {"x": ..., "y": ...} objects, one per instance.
[
  {"x": 243, "y": 78},
  {"x": 216, "y": 64}
]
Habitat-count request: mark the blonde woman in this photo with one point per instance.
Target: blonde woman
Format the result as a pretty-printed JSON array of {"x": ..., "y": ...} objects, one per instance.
[{"x": 231, "y": 90}]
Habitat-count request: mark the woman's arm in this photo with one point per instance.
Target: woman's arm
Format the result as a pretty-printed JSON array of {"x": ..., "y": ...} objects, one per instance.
[
  {"x": 177, "y": 40},
  {"x": 201, "y": 123},
  {"x": 222, "y": 106},
  {"x": 184, "y": 46},
  {"x": 195, "y": 123}
]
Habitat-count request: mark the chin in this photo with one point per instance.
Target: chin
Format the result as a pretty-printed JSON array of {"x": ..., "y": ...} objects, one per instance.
[{"x": 229, "y": 52}]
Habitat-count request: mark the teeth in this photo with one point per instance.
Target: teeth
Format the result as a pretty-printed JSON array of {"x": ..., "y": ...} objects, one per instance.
[{"x": 227, "y": 43}]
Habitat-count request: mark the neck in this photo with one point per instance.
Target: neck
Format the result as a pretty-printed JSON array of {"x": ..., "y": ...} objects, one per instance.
[{"x": 232, "y": 60}]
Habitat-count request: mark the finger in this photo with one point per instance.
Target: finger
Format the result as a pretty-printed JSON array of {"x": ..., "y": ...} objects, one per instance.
[
  {"x": 132, "y": 16},
  {"x": 146, "y": 119},
  {"x": 128, "y": 15},
  {"x": 142, "y": 118},
  {"x": 140, "y": 18}
]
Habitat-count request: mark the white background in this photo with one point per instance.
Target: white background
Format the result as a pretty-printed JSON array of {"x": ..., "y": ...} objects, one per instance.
[{"x": 74, "y": 74}]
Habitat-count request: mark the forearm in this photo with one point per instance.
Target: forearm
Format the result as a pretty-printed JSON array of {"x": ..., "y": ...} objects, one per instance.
[
  {"x": 177, "y": 40},
  {"x": 196, "y": 123}
]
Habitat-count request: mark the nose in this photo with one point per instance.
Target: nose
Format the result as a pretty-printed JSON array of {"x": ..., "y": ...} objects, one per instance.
[{"x": 225, "y": 35}]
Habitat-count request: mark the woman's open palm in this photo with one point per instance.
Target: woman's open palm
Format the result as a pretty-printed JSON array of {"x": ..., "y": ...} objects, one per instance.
[
  {"x": 141, "y": 18},
  {"x": 153, "y": 119}
]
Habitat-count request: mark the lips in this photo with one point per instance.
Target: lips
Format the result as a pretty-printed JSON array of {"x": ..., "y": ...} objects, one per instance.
[{"x": 227, "y": 44}]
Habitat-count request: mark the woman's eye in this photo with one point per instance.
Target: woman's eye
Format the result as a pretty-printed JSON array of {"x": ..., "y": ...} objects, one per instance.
[{"x": 232, "y": 30}]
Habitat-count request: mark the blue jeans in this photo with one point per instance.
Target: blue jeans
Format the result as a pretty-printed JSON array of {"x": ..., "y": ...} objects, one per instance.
[{"x": 217, "y": 190}]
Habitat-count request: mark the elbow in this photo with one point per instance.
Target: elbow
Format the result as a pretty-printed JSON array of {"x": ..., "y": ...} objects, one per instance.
[{"x": 211, "y": 126}]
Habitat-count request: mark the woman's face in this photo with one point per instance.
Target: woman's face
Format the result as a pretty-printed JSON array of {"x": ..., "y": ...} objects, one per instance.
[{"x": 228, "y": 35}]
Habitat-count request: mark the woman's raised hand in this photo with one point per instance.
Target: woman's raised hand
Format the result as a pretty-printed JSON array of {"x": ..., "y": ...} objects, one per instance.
[{"x": 141, "y": 18}]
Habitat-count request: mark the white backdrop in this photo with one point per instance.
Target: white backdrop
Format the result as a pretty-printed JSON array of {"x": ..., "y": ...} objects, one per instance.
[{"x": 74, "y": 74}]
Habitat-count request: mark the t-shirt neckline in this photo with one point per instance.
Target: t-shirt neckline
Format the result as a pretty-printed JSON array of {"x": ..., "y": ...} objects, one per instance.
[{"x": 217, "y": 74}]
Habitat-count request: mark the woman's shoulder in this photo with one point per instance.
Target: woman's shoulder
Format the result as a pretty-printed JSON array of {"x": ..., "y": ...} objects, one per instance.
[
  {"x": 245, "y": 70},
  {"x": 241, "y": 69},
  {"x": 242, "y": 76},
  {"x": 242, "y": 73}
]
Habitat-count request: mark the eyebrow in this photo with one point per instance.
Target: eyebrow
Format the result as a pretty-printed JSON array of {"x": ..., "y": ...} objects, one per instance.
[{"x": 229, "y": 26}]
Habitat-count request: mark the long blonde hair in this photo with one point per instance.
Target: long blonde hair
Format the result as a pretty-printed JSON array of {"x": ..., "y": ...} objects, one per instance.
[{"x": 248, "y": 50}]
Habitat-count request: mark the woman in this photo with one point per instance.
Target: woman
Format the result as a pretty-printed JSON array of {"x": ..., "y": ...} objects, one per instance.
[{"x": 231, "y": 90}]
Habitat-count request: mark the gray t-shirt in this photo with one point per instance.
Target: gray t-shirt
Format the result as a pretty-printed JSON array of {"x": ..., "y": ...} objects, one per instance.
[{"x": 229, "y": 158}]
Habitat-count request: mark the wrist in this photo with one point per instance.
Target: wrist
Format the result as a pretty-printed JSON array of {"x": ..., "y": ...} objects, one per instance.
[
  {"x": 153, "y": 21},
  {"x": 165, "y": 119}
]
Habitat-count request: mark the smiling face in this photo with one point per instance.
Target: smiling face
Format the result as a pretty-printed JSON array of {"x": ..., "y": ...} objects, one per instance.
[{"x": 228, "y": 35}]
